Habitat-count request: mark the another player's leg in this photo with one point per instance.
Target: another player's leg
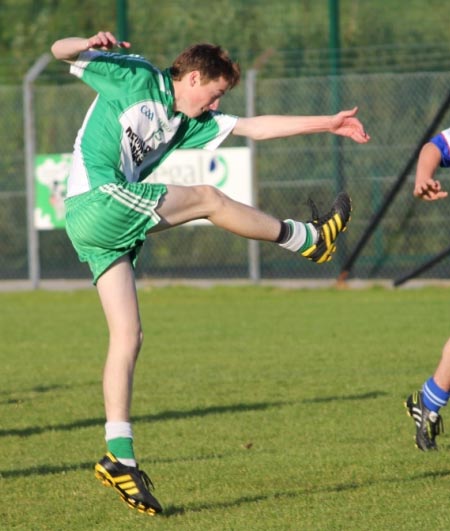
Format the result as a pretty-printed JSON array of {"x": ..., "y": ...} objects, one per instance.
[
  {"x": 424, "y": 405},
  {"x": 428, "y": 422},
  {"x": 118, "y": 468},
  {"x": 314, "y": 239}
]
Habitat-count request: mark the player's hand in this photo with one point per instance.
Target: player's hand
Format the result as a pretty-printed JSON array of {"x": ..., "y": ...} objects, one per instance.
[
  {"x": 346, "y": 124},
  {"x": 105, "y": 40},
  {"x": 429, "y": 190}
]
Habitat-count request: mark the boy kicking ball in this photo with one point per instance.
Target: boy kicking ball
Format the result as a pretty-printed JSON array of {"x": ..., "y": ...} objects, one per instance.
[{"x": 140, "y": 115}]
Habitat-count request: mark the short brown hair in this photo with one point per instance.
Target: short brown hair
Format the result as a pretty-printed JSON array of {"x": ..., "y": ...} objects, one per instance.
[{"x": 211, "y": 61}]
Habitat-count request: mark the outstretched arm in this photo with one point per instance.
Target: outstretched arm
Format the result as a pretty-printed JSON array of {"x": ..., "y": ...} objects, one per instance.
[
  {"x": 68, "y": 49},
  {"x": 426, "y": 187},
  {"x": 266, "y": 127}
]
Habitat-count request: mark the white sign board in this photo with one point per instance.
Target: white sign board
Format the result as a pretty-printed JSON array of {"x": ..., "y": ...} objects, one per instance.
[{"x": 228, "y": 169}]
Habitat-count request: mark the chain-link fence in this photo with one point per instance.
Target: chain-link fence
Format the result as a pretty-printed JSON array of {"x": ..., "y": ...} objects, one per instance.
[{"x": 396, "y": 109}]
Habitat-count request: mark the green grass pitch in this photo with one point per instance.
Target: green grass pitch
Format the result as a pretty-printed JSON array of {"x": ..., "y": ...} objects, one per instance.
[{"x": 255, "y": 408}]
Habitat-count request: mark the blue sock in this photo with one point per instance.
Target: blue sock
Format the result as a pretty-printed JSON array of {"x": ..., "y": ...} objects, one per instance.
[{"x": 433, "y": 396}]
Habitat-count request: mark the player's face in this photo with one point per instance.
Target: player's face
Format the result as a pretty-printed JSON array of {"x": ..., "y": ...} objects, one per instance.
[{"x": 204, "y": 97}]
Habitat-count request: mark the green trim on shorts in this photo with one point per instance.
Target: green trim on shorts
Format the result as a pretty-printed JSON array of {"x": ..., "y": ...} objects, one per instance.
[{"x": 112, "y": 221}]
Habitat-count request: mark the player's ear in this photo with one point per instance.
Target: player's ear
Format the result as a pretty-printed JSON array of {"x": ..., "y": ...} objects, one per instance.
[{"x": 194, "y": 78}]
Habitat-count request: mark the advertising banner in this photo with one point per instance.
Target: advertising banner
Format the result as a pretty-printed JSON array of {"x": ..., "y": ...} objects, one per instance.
[{"x": 228, "y": 169}]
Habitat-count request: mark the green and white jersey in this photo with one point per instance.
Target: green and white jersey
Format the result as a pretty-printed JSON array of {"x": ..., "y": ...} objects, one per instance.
[{"x": 131, "y": 127}]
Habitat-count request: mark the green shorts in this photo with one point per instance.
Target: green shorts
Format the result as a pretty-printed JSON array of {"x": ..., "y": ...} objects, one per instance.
[{"x": 111, "y": 221}]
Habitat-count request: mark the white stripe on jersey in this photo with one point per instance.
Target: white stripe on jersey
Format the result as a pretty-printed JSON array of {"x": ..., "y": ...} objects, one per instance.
[
  {"x": 78, "y": 180},
  {"x": 77, "y": 68}
]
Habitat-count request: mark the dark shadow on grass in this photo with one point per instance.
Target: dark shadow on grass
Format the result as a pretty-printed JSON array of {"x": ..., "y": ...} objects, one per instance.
[
  {"x": 172, "y": 415},
  {"x": 163, "y": 416},
  {"x": 37, "y": 389},
  {"x": 174, "y": 510},
  {"x": 362, "y": 396},
  {"x": 46, "y": 470},
  {"x": 25, "y": 395}
]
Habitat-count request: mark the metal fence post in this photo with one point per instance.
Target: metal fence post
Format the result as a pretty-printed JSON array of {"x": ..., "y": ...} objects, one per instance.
[
  {"x": 253, "y": 245},
  {"x": 30, "y": 150}
]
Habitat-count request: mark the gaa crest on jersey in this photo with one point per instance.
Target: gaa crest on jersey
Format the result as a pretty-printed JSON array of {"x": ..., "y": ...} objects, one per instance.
[{"x": 146, "y": 128}]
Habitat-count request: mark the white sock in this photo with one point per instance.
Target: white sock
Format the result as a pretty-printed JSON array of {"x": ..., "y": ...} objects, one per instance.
[
  {"x": 299, "y": 234},
  {"x": 113, "y": 430}
]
